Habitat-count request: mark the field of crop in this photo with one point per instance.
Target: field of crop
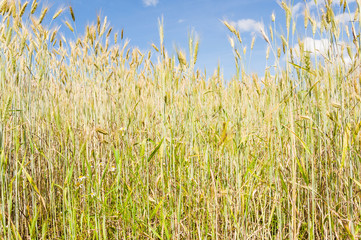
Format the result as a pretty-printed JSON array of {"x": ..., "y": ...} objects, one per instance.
[{"x": 101, "y": 141}]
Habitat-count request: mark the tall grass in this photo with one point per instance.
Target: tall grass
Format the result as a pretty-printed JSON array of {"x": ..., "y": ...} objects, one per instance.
[{"x": 99, "y": 142}]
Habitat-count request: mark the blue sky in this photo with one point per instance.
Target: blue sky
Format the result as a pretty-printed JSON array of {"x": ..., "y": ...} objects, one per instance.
[{"x": 139, "y": 19}]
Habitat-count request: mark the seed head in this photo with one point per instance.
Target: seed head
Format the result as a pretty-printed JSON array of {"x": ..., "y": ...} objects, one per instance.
[
  {"x": 43, "y": 13},
  {"x": 181, "y": 58},
  {"x": 34, "y": 6},
  {"x": 72, "y": 13},
  {"x": 57, "y": 13},
  {"x": 22, "y": 10},
  {"x": 230, "y": 27}
]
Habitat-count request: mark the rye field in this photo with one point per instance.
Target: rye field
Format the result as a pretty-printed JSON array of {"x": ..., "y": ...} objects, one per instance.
[{"x": 99, "y": 140}]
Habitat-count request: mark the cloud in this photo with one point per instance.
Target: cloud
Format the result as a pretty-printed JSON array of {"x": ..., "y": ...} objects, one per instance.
[
  {"x": 148, "y": 3},
  {"x": 315, "y": 46},
  {"x": 321, "y": 48},
  {"x": 299, "y": 8},
  {"x": 312, "y": 4},
  {"x": 344, "y": 17},
  {"x": 248, "y": 25}
]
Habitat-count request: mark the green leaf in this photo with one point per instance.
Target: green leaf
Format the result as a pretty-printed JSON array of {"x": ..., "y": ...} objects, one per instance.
[
  {"x": 32, "y": 183},
  {"x": 299, "y": 139},
  {"x": 155, "y": 150},
  {"x": 155, "y": 233},
  {"x": 346, "y": 136},
  {"x": 156, "y": 208}
]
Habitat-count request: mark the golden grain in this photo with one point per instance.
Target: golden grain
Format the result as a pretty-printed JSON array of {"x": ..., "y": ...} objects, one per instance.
[
  {"x": 57, "y": 14},
  {"x": 72, "y": 13},
  {"x": 22, "y": 10},
  {"x": 92, "y": 116},
  {"x": 196, "y": 51},
  {"x": 155, "y": 47},
  {"x": 264, "y": 35},
  {"x": 252, "y": 42},
  {"x": 69, "y": 26},
  {"x": 181, "y": 58},
  {"x": 230, "y": 27},
  {"x": 109, "y": 31},
  {"x": 43, "y": 13},
  {"x": 34, "y": 6}
]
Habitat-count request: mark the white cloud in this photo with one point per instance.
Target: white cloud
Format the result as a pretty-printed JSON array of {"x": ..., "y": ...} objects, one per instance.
[
  {"x": 299, "y": 8},
  {"x": 344, "y": 17},
  {"x": 316, "y": 46},
  {"x": 148, "y": 3},
  {"x": 321, "y": 47},
  {"x": 248, "y": 25},
  {"x": 312, "y": 4}
]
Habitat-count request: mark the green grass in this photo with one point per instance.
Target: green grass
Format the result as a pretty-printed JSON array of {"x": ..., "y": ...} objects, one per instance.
[{"x": 98, "y": 142}]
